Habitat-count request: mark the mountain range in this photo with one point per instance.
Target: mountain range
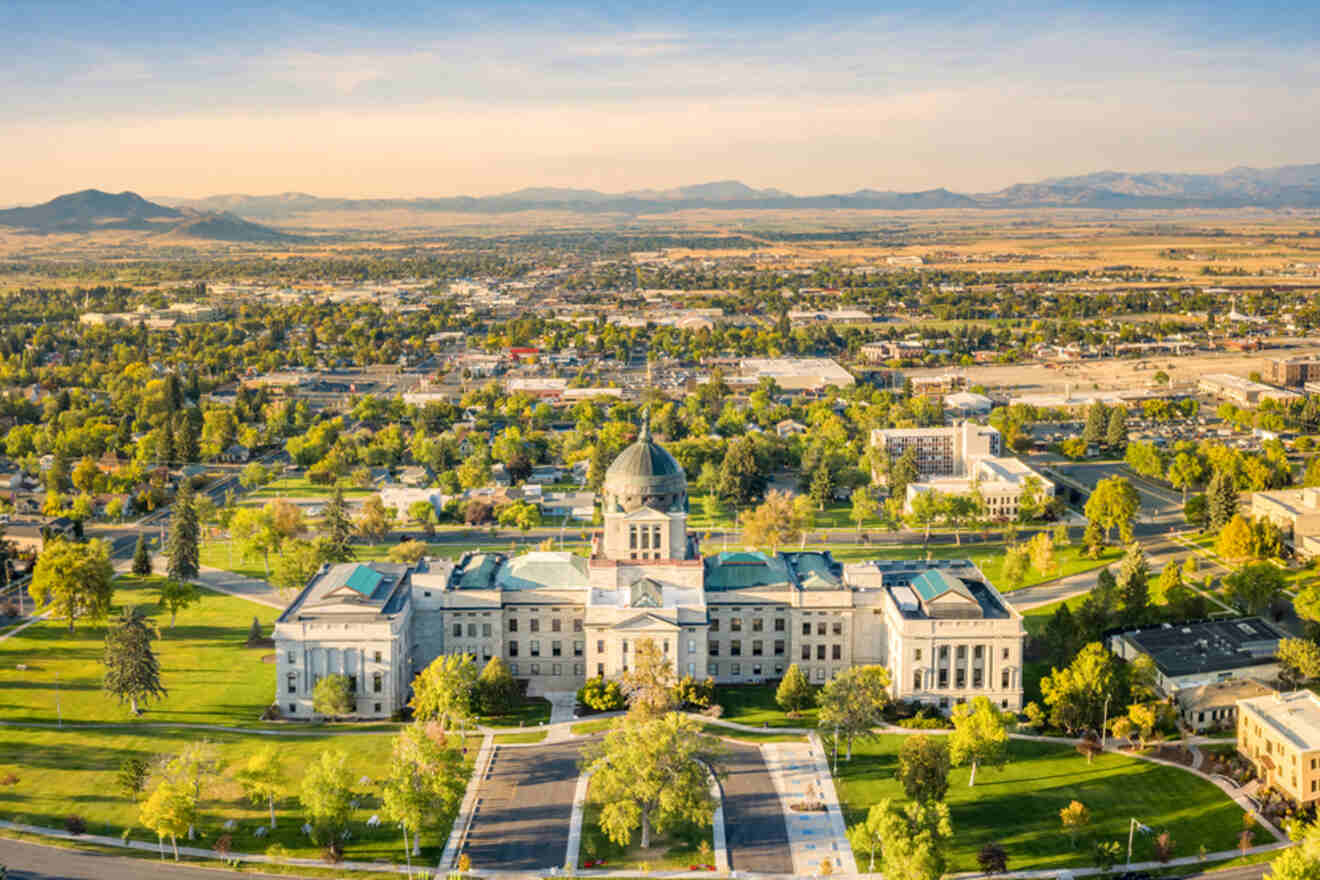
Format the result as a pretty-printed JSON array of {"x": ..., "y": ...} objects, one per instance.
[
  {"x": 222, "y": 218},
  {"x": 91, "y": 210},
  {"x": 1294, "y": 186}
]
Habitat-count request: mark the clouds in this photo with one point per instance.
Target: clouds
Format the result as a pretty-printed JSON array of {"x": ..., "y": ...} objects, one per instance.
[{"x": 466, "y": 100}]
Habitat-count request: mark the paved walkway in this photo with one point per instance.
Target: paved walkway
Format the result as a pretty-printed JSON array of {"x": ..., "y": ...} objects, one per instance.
[
  {"x": 801, "y": 773},
  {"x": 240, "y": 587}
]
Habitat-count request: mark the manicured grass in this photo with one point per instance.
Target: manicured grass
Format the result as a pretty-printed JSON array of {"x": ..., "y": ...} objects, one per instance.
[
  {"x": 531, "y": 736},
  {"x": 528, "y": 713},
  {"x": 676, "y": 849},
  {"x": 751, "y": 736},
  {"x": 755, "y": 704},
  {"x": 301, "y": 487},
  {"x": 1018, "y": 807},
  {"x": 587, "y": 728},
  {"x": 62, "y": 773},
  {"x": 210, "y": 674}
]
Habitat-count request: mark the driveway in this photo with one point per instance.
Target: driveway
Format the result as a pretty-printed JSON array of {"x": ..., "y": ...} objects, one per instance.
[
  {"x": 753, "y": 816},
  {"x": 523, "y": 809}
]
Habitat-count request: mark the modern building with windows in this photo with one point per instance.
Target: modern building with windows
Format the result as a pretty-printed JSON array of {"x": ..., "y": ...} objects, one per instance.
[
  {"x": 558, "y": 618},
  {"x": 940, "y": 451}
]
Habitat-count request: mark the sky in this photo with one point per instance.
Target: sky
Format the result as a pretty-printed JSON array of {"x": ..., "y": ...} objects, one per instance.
[{"x": 403, "y": 99}]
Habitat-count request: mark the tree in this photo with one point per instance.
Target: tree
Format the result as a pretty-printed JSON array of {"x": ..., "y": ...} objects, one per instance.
[
  {"x": 253, "y": 532},
  {"x": 741, "y": 479},
  {"x": 1093, "y": 539},
  {"x": 602, "y": 695},
  {"x": 649, "y": 775},
  {"x": 1254, "y": 587},
  {"x": 287, "y": 518},
  {"x": 1097, "y": 423},
  {"x": 980, "y": 736},
  {"x": 496, "y": 690},
  {"x": 914, "y": 839},
  {"x": 1074, "y": 817},
  {"x": 1234, "y": 542},
  {"x": 649, "y": 682},
  {"x": 1114, "y": 504},
  {"x": 443, "y": 691},
  {"x": 1076, "y": 695},
  {"x": 297, "y": 561},
  {"x": 132, "y": 672},
  {"x": 992, "y": 858},
  {"x": 853, "y": 702},
  {"x": 376, "y": 520},
  {"x": 333, "y": 696},
  {"x": 923, "y": 767},
  {"x": 170, "y": 811},
  {"x": 1222, "y": 500},
  {"x": 327, "y": 794},
  {"x": 925, "y": 508},
  {"x": 74, "y": 580},
  {"x": 524, "y": 515},
  {"x": 1144, "y": 718},
  {"x": 141, "y": 557},
  {"x": 1185, "y": 471},
  {"x": 262, "y": 778},
  {"x": 1041, "y": 550},
  {"x": 425, "y": 781},
  {"x": 1133, "y": 584},
  {"x": 181, "y": 546},
  {"x": 423, "y": 513},
  {"x": 1196, "y": 510},
  {"x": 1116, "y": 433},
  {"x": 864, "y": 506},
  {"x": 794, "y": 692},
  {"x": 864, "y": 837},
  {"x": 405, "y": 552},
  {"x": 337, "y": 529},
  {"x": 1015, "y": 566},
  {"x": 1299, "y": 659},
  {"x": 198, "y": 763},
  {"x": 132, "y": 777},
  {"x": 174, "y": 596},
  {"x": 902, "y": 472},
  {"x": 774, "y": 521},
  {"x": 1301, "y": 861},
  {"x": 1307, "y": 602}
]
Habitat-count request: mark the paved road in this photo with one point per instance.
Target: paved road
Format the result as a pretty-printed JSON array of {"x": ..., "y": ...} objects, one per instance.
[
  {"x": 29, "y": 861},
  {"x": 753, "y": 818},
  {"x": 1246, "y": 872},
  {"x": 524, "y": 809}
]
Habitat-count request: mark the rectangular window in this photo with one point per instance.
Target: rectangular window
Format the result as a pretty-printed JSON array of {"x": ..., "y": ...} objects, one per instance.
[
  {"x": 757, "y": 649},
  {"x": 1005, "y": 654},
  {"x": 377, "y": 708},
  {"x": 916, "y": 680},
  {"x": 806, "y": 652},
  {"x": 692, "y": 670},
  {"x": 960, "y": 678},
  {"x": 352, "y": 684},
  {"x": 820, "y": 628},
  {"x": 472, "y": 630},
  {"x": 735, "y": 669},
  {"x": 712, "y": 669},
  {"x": 534, "y": 625},
  {"x": 666, "y": 647},
  {"x": 577, "y": 624},
  {"x": 556, "y": 649},
  {"x": 692, "y": 646},
  {"x": 513, "y": 648},
  {"x": 485, "y": 630},
  {"x": 579, "y": 648},
  {"x": 820, "y": 675},
  {"x": 513, "y": 668},
  {"x": 836, "y": 652},
  {"x": 758, "y": 624},
  {"x": 536, "y": 669},
  {"x": 977, "y": 680},
  {"x": 625, "y": 646},
  {"x": 978, "y": 652},
  {"x": 779, "y": 647},
  {"x": 378, "y": 656},
  {"x": 600, "y": 669},
  {"x": 713, "y": 648},
  {"x": 555, "y": 625},
  {"x": 735, "y": 648},
  {"x": 806, "y": 628},
  {"x": 779, "y": 624},
  {"x": 292, "y": 660},
  {"x": 600, "y": 646},
  {"x": 377, "y": 682},
  {"x": 632, "y": 538},
  {"x": 578, "y": 669},
  {"x": 513, "y": 625},
  {"x": 293, "y": 682},
  {"x": 735, "y": 624},
  {"x": 944, "y": 676},
  {"x": 534, "y": 648},
  {"x": 714, "y": 624},
  {"x": 556, "y": 669},
  {"x": 646, "y": 539},
  {"x": 458, "y": 630},
  {"x": 961, "y": 652},
  {"x": 837, "y": 627},
  {"x": 1003, "y": 679},
  {"x": 820, "y": 652}
]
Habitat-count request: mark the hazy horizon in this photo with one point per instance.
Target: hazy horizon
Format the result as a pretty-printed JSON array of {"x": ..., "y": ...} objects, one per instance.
[{"x": 481, "y": 100}]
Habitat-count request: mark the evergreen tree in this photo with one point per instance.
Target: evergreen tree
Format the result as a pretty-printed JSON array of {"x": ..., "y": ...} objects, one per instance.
[
  {"x": 337, "y": 526},
  {"x": 1222, "y": 500},
  {"x": 822, "y": 486},
  {"x": 1097, "y": 423},
  {"x": 1116, "y": 429},
  {"x": 597, "y": 466},
  {"x": 165, "y": 452},
  {"x": 188, "y": 440},
  {"x": 173, "y": 393},
  {"x": 132, "y": 672},
  {"x": 741, "y": 479},
  {"x": 141, "y": 557},
  {"x": 794, "y": 691},
  {"x": 1060, "y": 636},
  {"x": 181, "y": 547},
  {"x": 496, "y": 690},
  {"x": 902, "y": 472},
  {"x": 1134, "y": 584}
]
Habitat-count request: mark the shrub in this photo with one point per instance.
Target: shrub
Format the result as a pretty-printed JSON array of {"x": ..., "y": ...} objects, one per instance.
[
  {"x": 992, "y": 858},
  {"x": 332, "y": 696},
  {"x": 601, "y": 695},
  {"x": 9, "y": 779},
  {"x": 697, "y": 694},
  {"x": 272, "y": 713},
  {"x": 224, "y": 844},
  {"x": 277, "y": 853},
  {"x": 75, "y": 824},
  {"x": 1164, "y": 846}
]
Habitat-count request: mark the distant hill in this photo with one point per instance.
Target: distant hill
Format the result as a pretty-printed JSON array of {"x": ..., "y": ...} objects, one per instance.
[
  {"x": 1295, "y": 186},
  {"x": 91, "y": 210}
]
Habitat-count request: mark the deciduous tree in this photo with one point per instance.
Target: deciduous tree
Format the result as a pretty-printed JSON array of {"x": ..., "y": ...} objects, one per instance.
[
  {"x": 74, "y": 580},
  {"x": 174, "y": 596},
  {"x": 914, "y": 839},
  {"x": 425, "y": 781},
  {"x": 327, "y": 794},
  {"x": 333, "y": 696},
  {"x": 262, "y": 778},
  {"x": 923, "y": 767},
  {"x": 443, "y": 691},
  {"x": 794, "y": 691},
  {"x": 853, "y": 702},
  {"x": 980, "y": 736},
  {"x": 649, "y": 682}
]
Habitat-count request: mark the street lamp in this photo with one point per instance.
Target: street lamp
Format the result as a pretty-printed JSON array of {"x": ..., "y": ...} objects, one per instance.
[
  {"x": 1105, "y": 722},
  {"x": 1133, "y": 826}
]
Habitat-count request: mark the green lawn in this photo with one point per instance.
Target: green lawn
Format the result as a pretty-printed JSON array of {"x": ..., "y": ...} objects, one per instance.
[
  {"x": 1018, "y": 807},
  {"x": 674, "y": 850},
  {"x": 301, "y": 487},
  {"x": 211, "y": 676},
  {"x": 752, "y": 736},
  {"x": 62, "y": 773},
  {"x": 531, "y": 736},
  {"x": 528, "y": 713},
  {"x": 587, "y": 728},
  {"x": 755, "y": 704}
]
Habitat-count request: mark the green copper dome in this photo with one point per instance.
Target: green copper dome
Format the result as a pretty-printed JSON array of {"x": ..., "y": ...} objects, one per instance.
[{"x": 645, "y": 475}]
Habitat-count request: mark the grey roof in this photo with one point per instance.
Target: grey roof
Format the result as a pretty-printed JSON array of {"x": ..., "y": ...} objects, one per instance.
[
  {"x": 645, "y": 465},
  {"x": 476, "y": 571},
  {"x": 377, "y": 587},
  {"x": 543, "y": 569},
  {"x": 1207, "y": 645}
]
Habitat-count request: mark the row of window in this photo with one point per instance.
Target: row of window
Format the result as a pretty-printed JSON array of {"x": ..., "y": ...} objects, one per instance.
[
  {"x": 293, "y": 657},
  {"x": 555, "y": 669},
  {"x": 556, "y": 648},
  {"x": 959, "y": 678},
  {"x": 377, "y": 683},
  {"x": 780, "y": 625},
  {"x": 533, "y": 625},
  {"x": 835, "y": 651},
  {"x": 959, "y": 653}
]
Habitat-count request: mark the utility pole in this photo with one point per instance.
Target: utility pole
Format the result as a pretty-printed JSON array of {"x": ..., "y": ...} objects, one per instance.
[{"x": 1105, "y": 723}]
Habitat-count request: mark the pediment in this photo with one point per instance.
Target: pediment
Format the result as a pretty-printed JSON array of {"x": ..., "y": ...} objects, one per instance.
[
  {"x": 647, "y": 513},
  {"x": 645, "y": 623}
]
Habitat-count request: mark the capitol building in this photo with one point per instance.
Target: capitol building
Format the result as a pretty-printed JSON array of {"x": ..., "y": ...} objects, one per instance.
[{"x": 557, "y": 618}]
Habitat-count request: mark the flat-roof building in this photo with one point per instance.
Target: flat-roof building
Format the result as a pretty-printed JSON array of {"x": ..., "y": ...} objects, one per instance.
[
  {"x": 1280, "y": 734},
  {"x": 1203, "y": 652},
  {"x": 1242, "y": 391},
  {"x": 940, "y": 451},
  {"x": 797, "y": 374},
  {"x": 1294, "y": 370}
]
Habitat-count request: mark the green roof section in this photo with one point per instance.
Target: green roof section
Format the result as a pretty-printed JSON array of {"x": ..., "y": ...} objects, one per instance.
[
  {"x": 740, "y": 570},
  {"x": 363, "y": 580},
  {"x": 934, "y": 583}
]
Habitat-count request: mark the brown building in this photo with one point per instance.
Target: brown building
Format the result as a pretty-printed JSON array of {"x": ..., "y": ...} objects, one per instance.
[
  {"x": 1280, "y": 734},
  {"x": 1294, "y": 370}
]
